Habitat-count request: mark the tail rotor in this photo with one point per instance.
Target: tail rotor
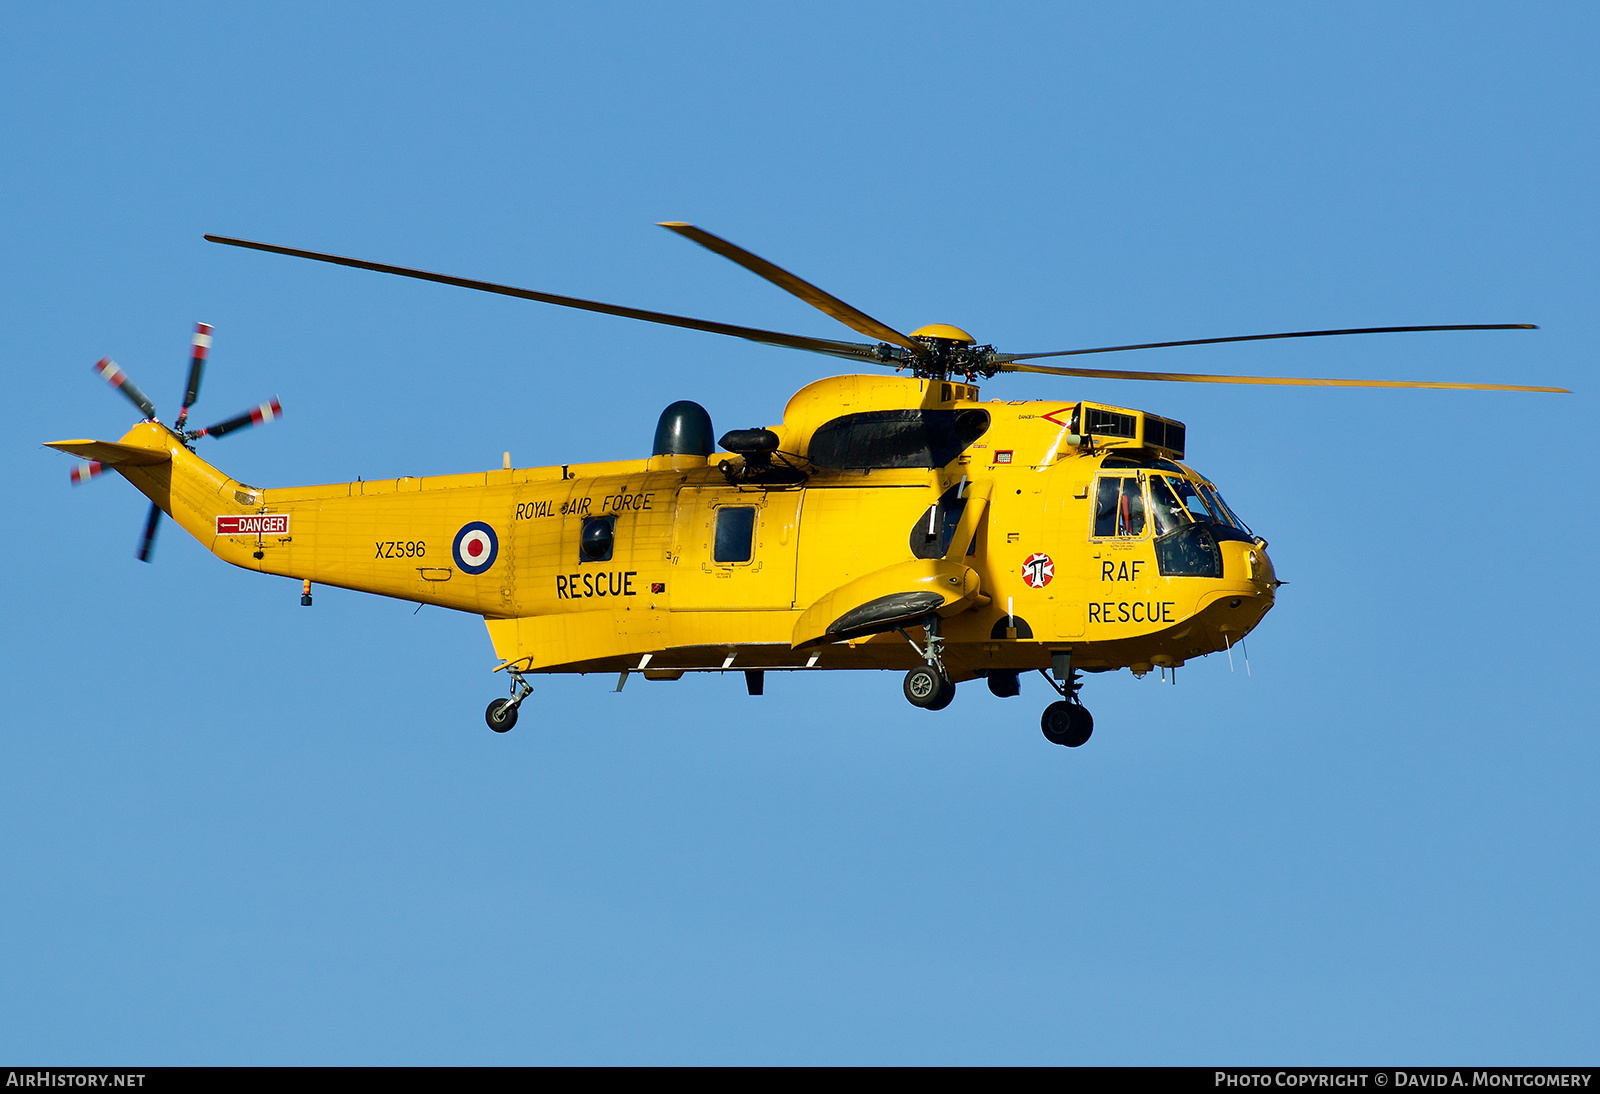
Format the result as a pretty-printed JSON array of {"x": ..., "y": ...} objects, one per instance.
[{"x": 109, "y": 371}]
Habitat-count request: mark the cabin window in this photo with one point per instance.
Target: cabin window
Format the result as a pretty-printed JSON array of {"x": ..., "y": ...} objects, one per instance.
[
  {"x": 896, "y": 438},
  {"x": 597, "y": 540},
  {"x": 736, "y": 528},
  {"x": 1118, "y": 507}
]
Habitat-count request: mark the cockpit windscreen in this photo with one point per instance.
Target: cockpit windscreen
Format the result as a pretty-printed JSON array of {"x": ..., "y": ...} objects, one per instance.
[{"x": 1176, "y": 502}]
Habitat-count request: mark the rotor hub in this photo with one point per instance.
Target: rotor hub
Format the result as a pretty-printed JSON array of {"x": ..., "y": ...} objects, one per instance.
[{"x": 950, "y": 351}]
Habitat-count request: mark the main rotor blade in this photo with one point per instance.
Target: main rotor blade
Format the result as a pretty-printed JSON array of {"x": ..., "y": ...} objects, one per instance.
[
  {"x": 256, "y": 415},
  {"x": 1263, "y": 338},
  {"x": 1294, "y": 381},
  {"x": 108, "y": 371},
  {"x": 148, "y": 541},
  {"x": 852, "y": 350},
  {"x": 856, "y": 320}
]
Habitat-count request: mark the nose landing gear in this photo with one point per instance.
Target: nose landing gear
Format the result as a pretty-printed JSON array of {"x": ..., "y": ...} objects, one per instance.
[
  {"x": 1067, "y": 722},
  {"x": 502, "y": 713}
]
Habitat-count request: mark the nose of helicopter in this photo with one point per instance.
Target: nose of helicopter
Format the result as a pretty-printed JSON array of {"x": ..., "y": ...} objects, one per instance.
[{"x": 1260, "y": 570}]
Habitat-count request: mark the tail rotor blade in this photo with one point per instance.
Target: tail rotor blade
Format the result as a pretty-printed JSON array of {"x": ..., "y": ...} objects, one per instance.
[
  {"x": 111, "y": 374},
  {"x": 151, "y": 523},
  {"x": 266, "y": 412},
  {"x": 86, "y": 471},
  {"x": 197, "y": 364}
]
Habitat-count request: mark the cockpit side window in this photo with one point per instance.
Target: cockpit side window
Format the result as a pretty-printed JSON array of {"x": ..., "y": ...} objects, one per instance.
[
  {"x": 1118, "y": 507},
  {"x": 1130, "y": 512},
  {"x": 1105, "y": 506}
]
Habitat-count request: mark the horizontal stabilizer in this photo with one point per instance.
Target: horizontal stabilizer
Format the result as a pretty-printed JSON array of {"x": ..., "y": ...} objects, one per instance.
[{"x": 111, "y": 453}]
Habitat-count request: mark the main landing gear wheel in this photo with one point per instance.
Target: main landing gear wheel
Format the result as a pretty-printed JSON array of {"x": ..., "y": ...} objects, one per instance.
[
  {"x": 928, "y": 689},
  {"x": 501, "y": 715},
  {"x": 1066, "y": 723}
]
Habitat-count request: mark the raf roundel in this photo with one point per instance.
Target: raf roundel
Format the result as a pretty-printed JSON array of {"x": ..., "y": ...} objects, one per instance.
[
  {"x": 475, "y": 548},
  {"x": 1037, "y": 570}
]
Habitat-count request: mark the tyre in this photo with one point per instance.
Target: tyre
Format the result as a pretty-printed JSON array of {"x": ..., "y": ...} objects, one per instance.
[
  {"x": 924, "y": 688},
  {"x": 947, "y": 695},
  {"x": 501, "y": 715},
  {"x": 1066, "y": 724},
  {"x": 1003, "y": 685}
]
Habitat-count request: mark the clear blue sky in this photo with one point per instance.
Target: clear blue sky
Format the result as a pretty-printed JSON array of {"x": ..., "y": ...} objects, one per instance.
[{"x": 236, "y": 830}]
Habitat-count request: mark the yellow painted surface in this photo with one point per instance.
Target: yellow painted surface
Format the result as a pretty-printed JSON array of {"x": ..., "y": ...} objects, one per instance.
[
  {"x": 944, "y": 330},
  {"x": 817, "y": 549}
]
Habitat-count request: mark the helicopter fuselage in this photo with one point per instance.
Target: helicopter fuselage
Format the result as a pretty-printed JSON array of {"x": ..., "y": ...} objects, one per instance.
[{"x": 1050, "y": 528}]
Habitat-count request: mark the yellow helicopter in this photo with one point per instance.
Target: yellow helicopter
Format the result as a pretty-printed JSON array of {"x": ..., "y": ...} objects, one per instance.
[{"x": 888, "y": 521}]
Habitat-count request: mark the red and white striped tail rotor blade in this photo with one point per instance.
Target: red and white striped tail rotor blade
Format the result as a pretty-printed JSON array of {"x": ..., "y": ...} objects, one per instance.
[
  {"x": 86, "y": 471},
  {"x": 257, "y": 415},
  {"x": 197, "y": 363},
  {"x": 111, "y": 374}
]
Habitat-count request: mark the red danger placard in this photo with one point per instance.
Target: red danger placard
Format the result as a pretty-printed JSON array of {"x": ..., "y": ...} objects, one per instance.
[{"x": 254, "y": 524}]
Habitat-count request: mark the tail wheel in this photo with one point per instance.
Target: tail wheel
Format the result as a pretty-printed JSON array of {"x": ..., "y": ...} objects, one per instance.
[
  {"x": 1066, "y": 724},
  {"x": 501, "y": 715}
]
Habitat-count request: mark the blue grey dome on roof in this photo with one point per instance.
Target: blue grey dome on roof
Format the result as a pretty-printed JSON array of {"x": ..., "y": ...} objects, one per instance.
[{"x": 684, "y": 430}]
